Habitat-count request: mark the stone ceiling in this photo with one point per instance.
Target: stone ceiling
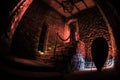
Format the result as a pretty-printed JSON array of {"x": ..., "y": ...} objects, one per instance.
[{"x": 75, "y": 7}]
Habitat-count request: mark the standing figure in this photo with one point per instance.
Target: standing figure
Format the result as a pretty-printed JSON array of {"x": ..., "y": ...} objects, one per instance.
[{"x": 75, "y": 60}]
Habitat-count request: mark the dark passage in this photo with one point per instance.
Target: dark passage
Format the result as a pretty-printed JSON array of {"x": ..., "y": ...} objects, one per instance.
[
  {"x": 99, "y": 52},
  {"x": 43, "y": 37}
]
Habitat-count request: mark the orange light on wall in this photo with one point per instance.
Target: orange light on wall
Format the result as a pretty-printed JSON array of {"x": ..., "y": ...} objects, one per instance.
[{"x": 66, "y": 33}]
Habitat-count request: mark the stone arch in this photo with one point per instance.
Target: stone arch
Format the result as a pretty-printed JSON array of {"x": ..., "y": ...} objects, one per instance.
[
  {"x": 17, "y": 14},
  {"x": 25, "y": 38}
]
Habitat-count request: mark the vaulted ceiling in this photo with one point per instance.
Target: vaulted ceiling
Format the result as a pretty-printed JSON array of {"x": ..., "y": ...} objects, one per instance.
[{"x": 70, "y": 7}]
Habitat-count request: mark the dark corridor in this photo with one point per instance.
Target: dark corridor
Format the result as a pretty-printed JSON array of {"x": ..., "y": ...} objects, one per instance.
[{"x": 99, "y": 52}]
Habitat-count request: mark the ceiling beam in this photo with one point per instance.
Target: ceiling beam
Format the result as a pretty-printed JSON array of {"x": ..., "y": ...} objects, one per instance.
[{"x": 78, "y": 6}]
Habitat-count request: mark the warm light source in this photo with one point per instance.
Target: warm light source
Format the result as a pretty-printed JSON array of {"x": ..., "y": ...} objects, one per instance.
[
  {"x": 40, "y": 52},
  {"x": 49, "y": 48}
]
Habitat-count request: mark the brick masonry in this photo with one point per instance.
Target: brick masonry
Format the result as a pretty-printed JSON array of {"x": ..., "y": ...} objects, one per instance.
[{"x": 26, "y": 37}]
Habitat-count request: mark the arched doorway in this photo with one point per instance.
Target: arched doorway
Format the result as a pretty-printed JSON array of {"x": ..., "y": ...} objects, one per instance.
[
  {"x": 99, "y": 52},
  {"x": 43, "y": 38}
]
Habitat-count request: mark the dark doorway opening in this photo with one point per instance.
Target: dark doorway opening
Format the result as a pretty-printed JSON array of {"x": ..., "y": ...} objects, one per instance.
[
  {"x": 42, "y": 40},
  {"x": 99, "y": 52}
]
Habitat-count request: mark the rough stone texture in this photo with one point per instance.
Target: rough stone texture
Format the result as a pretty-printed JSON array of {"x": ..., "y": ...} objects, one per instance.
[
  {"x": 92, "y": 26},
  {"x": 26, "y": 37},
  {"x": 56, "y": 25}
]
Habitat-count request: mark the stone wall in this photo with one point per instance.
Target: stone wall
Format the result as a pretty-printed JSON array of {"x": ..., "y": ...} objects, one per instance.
[
  {"x": 92, "y": 26},
  {"x": 26, "y": 37}
]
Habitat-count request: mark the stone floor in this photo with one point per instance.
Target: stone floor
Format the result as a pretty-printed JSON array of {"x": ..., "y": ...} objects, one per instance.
[{"x": 24, "y": 69}]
